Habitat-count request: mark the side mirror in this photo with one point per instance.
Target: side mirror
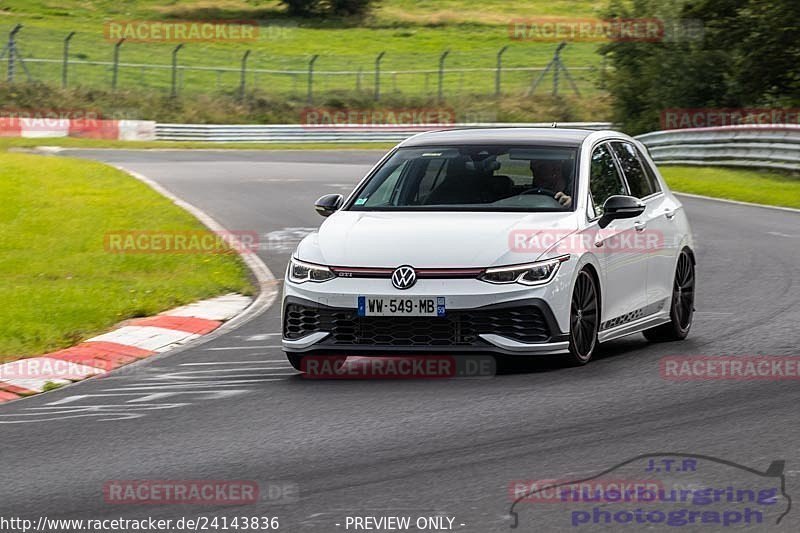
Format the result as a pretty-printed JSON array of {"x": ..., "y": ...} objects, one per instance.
[
  {"x": 328, "y": 204},
  {"x": 619, "y": 206}
]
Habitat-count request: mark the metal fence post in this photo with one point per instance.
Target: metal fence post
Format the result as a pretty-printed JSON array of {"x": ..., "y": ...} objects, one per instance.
[
  {"x": 441, "y": 73},
  {"x": 115, "y": 68},
  {"x": 499, "y": 69},
  {"x": 11, "y": 50},
  {"x": 378, "y": 76},
  {"x": 311, "y": 78},
  {"x": 555, "y": 71},
  {"x": 243, "y": 75},
  {"x": 66, "y": 60},
  {"x": 557, "y": 67},
  {"x": 175, "y": 51}
]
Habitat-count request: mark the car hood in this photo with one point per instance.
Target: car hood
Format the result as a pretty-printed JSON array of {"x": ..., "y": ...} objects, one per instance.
[{"x": 428, "y": 239}]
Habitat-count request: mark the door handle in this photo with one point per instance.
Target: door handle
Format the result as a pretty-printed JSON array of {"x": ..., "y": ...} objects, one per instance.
[
  {"x": 669, "y": 213},
  {"x": 639, "y": 226}
]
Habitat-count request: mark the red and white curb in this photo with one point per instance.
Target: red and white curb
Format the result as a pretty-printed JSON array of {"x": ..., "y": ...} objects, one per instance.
[
  {"x": 88, "y": 128},
  {"x": 133, "y": 340}
]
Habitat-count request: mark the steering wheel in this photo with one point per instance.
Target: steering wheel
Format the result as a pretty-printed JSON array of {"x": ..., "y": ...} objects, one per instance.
[{"x": 539, "y": 190}]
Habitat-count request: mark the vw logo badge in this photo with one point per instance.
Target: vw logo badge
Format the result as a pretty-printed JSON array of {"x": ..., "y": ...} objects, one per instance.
[{"x": 404, "y": 277}]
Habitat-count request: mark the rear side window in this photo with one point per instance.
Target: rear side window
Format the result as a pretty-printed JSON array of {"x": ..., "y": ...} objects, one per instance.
[
  {"x": 649, "y": 172},
  {"x": 638, "y": 181},
  {"x": 604, "y": 180}
]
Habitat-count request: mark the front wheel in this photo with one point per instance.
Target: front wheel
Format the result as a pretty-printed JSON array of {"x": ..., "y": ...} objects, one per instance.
[
  {"x": 584, "y": 319},
  {"x": 682, "y": 309}
]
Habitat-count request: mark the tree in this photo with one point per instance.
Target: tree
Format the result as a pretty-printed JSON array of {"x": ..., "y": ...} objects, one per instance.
[
  {"x": 762, "y": 38},
  {"x": 748, "y": 56}
]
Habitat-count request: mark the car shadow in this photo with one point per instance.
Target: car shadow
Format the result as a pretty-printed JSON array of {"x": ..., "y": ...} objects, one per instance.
[
  {"x": 627, "y": 346},
  {"x": 450, "y": 366}
]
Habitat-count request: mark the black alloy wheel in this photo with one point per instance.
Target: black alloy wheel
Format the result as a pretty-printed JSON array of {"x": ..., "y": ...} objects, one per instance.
[{"x": 584, "y": 319}]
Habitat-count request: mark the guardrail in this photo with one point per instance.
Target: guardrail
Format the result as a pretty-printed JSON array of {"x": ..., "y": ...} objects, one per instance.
[
  {"x": 767, "y": 146},
  {"x": 290, "y": 133}
]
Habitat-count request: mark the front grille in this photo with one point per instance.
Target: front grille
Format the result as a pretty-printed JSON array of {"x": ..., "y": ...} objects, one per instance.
[{"x": 458, "y": 328}]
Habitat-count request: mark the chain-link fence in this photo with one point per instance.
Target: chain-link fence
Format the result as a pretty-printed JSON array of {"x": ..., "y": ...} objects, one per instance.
[{"x": 72, "y": 59}]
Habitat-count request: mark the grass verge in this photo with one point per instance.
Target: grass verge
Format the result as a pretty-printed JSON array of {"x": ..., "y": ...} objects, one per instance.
[
  {"x": 744, "y": 185},
  {"x": 60, "y": 285}
]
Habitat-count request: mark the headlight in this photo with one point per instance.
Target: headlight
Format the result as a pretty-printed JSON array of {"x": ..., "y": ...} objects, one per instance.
[
  {"x": 537, "y": 273},
  {"x": 300, "y": 272}
]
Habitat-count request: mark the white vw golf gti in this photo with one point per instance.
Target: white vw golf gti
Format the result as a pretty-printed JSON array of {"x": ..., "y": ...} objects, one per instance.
[{"x": 511, "y": 242}]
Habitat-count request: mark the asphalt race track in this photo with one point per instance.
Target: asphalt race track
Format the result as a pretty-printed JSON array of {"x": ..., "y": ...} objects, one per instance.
[{"x": 233, "y": 409}]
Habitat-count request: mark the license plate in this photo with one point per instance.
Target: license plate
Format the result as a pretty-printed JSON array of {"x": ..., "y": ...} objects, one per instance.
[{"x": 395, "y": 306}]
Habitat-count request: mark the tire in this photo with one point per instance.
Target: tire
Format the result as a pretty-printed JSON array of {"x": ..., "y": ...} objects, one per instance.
[
  {"x": 584, "y": 319},
  {"x": 681, "y": 310}
]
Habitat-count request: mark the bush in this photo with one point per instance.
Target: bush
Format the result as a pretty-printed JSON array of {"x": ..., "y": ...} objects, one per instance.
[
  {"x": 301, "y": 8},
  {"x": 264, "y": 108},
  {"x": 323, "y": 8},
  {"x": 350, "y": 7}
]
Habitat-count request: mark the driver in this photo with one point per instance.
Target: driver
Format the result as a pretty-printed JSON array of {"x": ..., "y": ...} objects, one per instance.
[{"x": 547, "y": 174}]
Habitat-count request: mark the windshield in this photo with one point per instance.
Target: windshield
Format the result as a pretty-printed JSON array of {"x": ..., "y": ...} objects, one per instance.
[{"x": 472, "y": 178}]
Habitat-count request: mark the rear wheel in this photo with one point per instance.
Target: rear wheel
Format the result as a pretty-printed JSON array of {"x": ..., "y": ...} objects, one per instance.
[
  {"x": 682, "y": 309},
  {"x": 584, "y": 319}
]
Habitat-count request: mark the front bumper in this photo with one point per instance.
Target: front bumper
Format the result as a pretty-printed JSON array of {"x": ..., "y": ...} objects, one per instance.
[{"x": 525, "y": 326}]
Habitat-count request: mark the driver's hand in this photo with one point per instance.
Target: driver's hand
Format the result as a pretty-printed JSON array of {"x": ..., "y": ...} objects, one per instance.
[{"x": 563, "y": 199}]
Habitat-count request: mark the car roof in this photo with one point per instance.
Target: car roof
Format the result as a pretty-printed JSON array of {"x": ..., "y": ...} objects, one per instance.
[{"x": 513, "y": 136}]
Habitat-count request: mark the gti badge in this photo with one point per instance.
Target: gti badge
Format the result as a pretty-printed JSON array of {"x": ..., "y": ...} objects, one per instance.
[{"x": 404, "y": 277}]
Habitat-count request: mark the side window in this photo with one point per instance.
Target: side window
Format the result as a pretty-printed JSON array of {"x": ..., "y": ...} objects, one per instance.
[
  {"x": 632, "y": 168},
  {"x": 385, "y": 192},
  {"x": 604, "y": 180},
  {"x": 649, "y": 172}
]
